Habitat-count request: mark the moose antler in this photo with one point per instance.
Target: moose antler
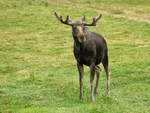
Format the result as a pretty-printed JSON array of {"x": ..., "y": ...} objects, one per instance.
[
  {"x": 94, "y": 21},
  {"x": 67, "y": 21}
]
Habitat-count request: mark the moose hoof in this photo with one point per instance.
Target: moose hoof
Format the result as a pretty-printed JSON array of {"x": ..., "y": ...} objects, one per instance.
[
  {"x": 81, "y": 98},
  {"x": 95, "y": 91},
  {"x": 108, "y": 92},
  {"x": 92, "y": 99}
]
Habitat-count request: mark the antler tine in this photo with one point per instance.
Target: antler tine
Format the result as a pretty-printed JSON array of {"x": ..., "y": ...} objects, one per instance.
[
  {"x": 94, "y": 21},
  {"x": 67, "y": 21},
  {"x": 83, "y": 18}
]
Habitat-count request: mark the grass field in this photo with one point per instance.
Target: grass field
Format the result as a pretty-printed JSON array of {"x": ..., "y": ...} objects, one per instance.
[{"x": 38, "y": 71}]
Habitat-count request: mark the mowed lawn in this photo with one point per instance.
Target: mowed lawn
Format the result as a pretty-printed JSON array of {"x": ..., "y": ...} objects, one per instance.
[{"x": 38, "y": 72}]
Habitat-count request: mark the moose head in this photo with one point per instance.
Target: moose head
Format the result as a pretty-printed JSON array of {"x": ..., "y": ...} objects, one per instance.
[{"x": 78, "y": 27}]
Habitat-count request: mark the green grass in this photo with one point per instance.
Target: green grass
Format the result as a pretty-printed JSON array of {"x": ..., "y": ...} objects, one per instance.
[{"x": 38, "y": 71}]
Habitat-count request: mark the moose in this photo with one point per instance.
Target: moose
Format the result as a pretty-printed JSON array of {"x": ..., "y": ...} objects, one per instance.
[{"x": 90, "y": 49}]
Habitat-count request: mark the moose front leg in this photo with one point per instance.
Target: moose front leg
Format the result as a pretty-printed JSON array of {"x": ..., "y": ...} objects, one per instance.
[
  {"x": 92, "y": 73},
  {"x": 97, "y": 70},
  {"x": 81, "y": 71}
]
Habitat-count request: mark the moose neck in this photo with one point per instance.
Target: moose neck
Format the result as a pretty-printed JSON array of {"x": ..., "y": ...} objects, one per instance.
[{"x": 79, "y": 46}]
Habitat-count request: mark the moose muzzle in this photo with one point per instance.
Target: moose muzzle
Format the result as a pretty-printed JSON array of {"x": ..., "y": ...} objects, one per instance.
[{"x": 81, "y": 35}]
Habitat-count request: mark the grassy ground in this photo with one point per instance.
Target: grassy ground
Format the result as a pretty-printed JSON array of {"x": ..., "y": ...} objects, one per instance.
[{"x": 38, "y": 71}]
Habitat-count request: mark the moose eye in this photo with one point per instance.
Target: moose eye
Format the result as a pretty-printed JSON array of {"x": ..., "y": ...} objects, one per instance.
[{"x": 74, "y": 28}]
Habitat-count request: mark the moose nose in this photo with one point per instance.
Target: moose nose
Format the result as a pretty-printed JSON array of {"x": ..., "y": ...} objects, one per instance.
[
  {"x": 80, "y": 31},
  {"x": 81, "y": 35}
]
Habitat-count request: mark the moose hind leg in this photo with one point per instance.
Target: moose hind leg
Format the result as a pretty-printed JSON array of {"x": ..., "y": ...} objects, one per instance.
[
  {"x": 97, "y": 70},
  {"x": 106, "y": 67}
]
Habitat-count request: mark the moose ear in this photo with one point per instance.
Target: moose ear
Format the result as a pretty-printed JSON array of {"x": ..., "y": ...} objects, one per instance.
[{"x": 83, "y": 18}]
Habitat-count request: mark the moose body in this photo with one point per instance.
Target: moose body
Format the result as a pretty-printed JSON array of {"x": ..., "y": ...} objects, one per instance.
[
  {"x": 93, "y": 50},
  {"x": 90, "y": 49}
]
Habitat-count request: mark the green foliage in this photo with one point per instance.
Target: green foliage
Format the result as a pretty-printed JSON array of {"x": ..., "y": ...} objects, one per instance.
[{"x": 38, "y": 71}]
